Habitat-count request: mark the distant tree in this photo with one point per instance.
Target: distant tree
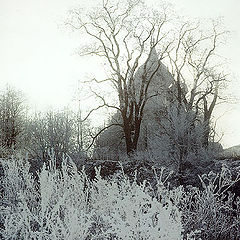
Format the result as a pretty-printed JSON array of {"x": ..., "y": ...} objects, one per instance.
[
  {"x": 12, "y": 118},
  {"x": 198, "y": 70},
  {"x": 199, "y": 78},
  {"x": 83, "y": 131},
  {"x": 52, "y": 132},
  {"x": 59, "y": 133}
]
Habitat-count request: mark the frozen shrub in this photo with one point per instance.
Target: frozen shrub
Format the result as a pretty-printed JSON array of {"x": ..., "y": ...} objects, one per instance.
[
  {"x": 132, "y": 213},
  {"x": 54, "y": 207},
  {"x": 65, "y": 204},
  {"x": 213, "y": 212}
]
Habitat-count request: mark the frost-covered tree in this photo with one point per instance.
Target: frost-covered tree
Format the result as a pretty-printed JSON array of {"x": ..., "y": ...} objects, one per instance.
[
  {"x": 51, "y": 132},
  {"x": 198, "y": 81},
  {"x": 198, "y": 70},
  {"x": 127, "y": 35}
]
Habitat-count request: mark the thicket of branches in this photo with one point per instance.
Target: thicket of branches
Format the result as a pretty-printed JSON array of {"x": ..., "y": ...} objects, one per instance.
[
  {"x": 13, "y": 116},
  {"x": 134, "y": 40},
  {"x": 58, "y": 132},
  {"x": 168, "y": 78}
]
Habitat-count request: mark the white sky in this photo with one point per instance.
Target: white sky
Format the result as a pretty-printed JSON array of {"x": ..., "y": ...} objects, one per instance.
[{"x": 37, "y": 54}]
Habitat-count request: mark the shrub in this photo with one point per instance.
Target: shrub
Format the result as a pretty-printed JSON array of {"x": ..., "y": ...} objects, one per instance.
[
  {"x": 65, "y": 204},
  {"x": 213, "y": 212}
]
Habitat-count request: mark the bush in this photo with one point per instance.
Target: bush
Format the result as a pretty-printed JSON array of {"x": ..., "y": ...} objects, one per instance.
[
  {"x": 65, "y": 204},
  {"x": 213, "y": 212}
]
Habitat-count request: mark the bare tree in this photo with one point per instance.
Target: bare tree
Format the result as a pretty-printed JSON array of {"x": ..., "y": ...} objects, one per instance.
[
  {"x": 125, "y": 35},
  {"x": 198, "y": 79},
  {"x": 198, "y": 70},
  {"x": 52, "y": 131},
  {"x": 12, "y": 117},
  {"x": 82, "y": 128}
]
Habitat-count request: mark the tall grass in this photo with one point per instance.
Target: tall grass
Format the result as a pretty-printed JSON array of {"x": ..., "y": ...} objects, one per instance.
[
  {"x": 63, "y": 203},
  {"x": 66, "y": 204}
]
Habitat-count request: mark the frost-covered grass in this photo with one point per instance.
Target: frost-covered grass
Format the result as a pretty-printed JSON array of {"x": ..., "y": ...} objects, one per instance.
[
  {"x": 214, "y": 211},
  {"x": 66, "y": 204}
]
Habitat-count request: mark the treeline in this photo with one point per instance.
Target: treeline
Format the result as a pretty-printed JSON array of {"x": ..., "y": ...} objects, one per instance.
[
  {"x": 63, "y": 134},
  {"x": 62, "y": 181},
  {"x": 58, "y": 131}
]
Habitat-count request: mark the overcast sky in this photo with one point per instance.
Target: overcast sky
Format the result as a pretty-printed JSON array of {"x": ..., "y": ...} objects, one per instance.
[{"x": 37, "y": 54}]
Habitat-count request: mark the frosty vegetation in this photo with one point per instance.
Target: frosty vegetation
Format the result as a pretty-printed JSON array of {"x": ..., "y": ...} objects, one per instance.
[
  {"x": 155, "y": 170},
  {"x": 52, "y": 189},
  {"x": 66, "y": 204}
]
